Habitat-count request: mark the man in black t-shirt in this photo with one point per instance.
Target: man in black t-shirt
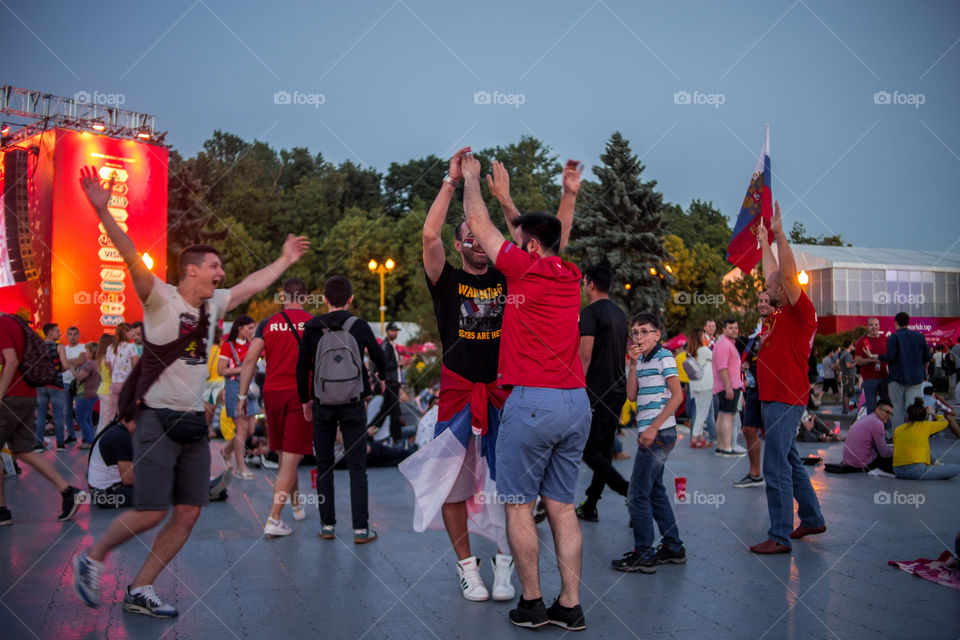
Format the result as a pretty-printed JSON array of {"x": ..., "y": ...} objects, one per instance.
[
  {"x": 469, "y": 303},
  {"x": 603, "y": 350}
]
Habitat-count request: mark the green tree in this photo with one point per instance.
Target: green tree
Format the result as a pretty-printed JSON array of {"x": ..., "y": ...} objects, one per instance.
[
  {"x": 620, "y": 223},
  {"x": 798, "y": 235}
]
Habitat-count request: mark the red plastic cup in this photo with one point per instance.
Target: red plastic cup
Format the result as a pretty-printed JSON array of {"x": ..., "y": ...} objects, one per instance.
[
  {"x": 313, "y": 478},
  {"x": 680, "y": 484}
]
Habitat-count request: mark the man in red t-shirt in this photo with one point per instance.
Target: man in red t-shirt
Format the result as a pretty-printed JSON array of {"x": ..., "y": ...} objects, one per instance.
[
  {"x": 289, "y": 433},
  {"x": 18, "y": 406},
  {"x": 546, "y": 420},
  {"x": 784, "y": 389},
  {"x": 874, "y": 373}
]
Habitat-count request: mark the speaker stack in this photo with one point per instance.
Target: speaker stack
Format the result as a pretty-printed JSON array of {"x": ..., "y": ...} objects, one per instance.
[{"x": 16, "y": 215}]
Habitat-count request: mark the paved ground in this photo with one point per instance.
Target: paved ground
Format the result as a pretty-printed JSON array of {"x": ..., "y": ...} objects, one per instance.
[{"x": 231, "y": 582}]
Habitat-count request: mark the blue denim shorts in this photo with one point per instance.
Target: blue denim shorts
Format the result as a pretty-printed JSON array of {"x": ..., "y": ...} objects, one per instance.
[{"x": 540, "y": 444}]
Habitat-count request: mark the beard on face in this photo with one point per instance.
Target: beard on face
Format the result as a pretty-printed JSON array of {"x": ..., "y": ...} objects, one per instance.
[{"x": 472, "y": 258}]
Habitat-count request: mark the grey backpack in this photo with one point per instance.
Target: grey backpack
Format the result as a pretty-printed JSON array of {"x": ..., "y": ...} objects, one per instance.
[{"x": 338, "y": 366}]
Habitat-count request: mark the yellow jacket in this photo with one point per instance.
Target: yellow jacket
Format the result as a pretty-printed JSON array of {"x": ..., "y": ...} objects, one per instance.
[{"x": 911, "y": 441}]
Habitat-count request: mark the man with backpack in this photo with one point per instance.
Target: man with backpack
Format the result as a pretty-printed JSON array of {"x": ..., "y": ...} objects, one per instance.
[
  {"x": 164, "y": 394},
  {"x": 331, "y": 352},
  {"x": 289, "y": 433},
  {"x": 25, "y": 364}
]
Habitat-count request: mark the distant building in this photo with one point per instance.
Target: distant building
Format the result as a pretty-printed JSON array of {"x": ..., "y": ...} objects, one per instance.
[{"x": 848, "y": 285}]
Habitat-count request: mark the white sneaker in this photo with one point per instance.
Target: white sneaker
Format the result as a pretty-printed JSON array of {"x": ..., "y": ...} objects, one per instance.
[
  {"x": 503, "y": 588},
  {"x": 276, "y": 528},
  {"x": 299, "y": 513},
  {"x": 470, "y": 583}
]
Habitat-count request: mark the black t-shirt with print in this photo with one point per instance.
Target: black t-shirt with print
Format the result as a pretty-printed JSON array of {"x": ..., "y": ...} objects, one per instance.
[{"x": 469, "y": 312}]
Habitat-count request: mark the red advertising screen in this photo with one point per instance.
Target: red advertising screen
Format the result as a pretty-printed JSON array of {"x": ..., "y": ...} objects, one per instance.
[
  {"x": 90, "y": 285},
  {"x": 80, "y": 279}
]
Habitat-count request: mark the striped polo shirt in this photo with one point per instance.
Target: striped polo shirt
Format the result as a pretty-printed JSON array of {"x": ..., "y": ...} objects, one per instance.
[{"x": 652, "y": 391}]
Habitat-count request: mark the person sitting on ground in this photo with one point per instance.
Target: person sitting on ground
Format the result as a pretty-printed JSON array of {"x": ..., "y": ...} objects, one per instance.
[
  {"x": 378, "y": 453},
  {"x": 939, "y": 405},
  {"x": 813, "y": 429},
  {"x": 110, "y": 469},
  {"x": 866, "y": 447},
  {"x": 911, "y": 445}
]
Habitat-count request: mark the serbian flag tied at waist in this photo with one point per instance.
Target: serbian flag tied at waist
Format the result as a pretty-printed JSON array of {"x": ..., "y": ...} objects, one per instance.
[
  {"x": 744, "y": 251},
  {"x": 466, "y": 408}
]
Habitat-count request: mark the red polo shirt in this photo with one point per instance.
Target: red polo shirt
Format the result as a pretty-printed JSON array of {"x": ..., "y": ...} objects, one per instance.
[
  {"x": 541, "y": 334},
  {"x": 782, "y": 359},
  {"x": 878, "y": 346}
]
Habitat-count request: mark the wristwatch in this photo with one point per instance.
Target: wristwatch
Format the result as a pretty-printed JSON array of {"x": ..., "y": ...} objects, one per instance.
[{"x": 453, "y": 183}]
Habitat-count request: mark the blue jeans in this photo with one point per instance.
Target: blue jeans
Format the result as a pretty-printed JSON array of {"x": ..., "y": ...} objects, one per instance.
[
  {"x": 56, "y": 399},
  {"x": 921, "y": 471},
  {"x": 647, "y": 497},
  {"x": 786, "y": 477},
  {"x": 870, "y": 390},
  {"x": 85, "y": 418}
]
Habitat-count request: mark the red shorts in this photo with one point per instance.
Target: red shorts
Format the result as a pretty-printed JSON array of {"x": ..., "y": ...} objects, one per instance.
[{"x": 287, "y": 430}]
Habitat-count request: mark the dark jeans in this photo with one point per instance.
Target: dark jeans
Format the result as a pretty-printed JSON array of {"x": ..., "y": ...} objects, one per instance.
[
  {"x": 871, "y": 389},
  {"x": 598, "y": 452},
  {"x": 390, "y": 407},
  {"x": 85, "y": 418},
  {"x": 647, "y": 497},
  {"x": 118, "y": 496},
  {"x": 351, "y": 420}
]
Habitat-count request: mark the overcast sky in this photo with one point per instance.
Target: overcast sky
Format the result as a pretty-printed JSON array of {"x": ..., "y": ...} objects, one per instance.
[{"x": 690, "y": 84}]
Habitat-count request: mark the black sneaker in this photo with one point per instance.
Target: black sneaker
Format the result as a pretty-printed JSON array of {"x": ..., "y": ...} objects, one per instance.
[
  {"x": 6, "y": 518},
  {"x": 72, "y": 498},
  {"x": 539, "y": 511},
  {"x": 633, "y": 562},
  {"x": 665, "y": 556},
  {"x": 529, "y": 614},
  {"x": 749, "y": 481},
  {"x": 570, "y": 618},
  {"x": 588, "y": 513}
]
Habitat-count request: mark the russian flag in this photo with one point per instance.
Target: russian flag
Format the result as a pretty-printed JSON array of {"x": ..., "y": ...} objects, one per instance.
[{"x": 744, "y": 251}]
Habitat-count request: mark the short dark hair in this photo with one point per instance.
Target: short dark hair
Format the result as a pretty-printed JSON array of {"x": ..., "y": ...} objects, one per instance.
[
  {"x": 73, "y": 329},
  {"x": 457, "y": 230},
  {"x": 48, "y": 326},
  {"x": 902, "y": 319},
  {"x": 136, "y": 325},
  {"x": 729, "y": 321},
  {"x": 646, "y": 317},
  {"x": 337, "y": 291},
  {"x": 542, "y": 226},
  {"x": 883, "y": 403},
  {"x": 600, "y": 276},
  {"x": 847, "y": 343},
  {"x": 194, "y": 255},
  {"x": 295, "y": 289}
]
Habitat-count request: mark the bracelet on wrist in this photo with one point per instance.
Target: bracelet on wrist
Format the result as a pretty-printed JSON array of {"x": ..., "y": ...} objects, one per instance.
[
  {"x": 450, "y": 181},
  {"x": 243, "y": 397}
]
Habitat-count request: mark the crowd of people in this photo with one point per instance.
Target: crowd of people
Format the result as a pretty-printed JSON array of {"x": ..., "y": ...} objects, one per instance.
[{"x": 531, "y": 385}]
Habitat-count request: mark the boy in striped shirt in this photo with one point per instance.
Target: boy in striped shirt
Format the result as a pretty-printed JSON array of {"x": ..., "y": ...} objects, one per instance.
[{"x": 655, "y": 385}]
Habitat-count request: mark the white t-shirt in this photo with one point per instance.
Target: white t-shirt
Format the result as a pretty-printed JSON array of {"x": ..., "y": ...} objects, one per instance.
[
  {"x": 99, "y": 475},
  {"x": 72, "y": 352},
  {"x": 167, "y": 316},
  {"x": 120, "y": 359},
  {"x": 705, "y": 360}
]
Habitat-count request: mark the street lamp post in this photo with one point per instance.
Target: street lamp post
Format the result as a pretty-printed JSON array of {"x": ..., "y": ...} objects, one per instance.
[{"x": 382, "y": 269}]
